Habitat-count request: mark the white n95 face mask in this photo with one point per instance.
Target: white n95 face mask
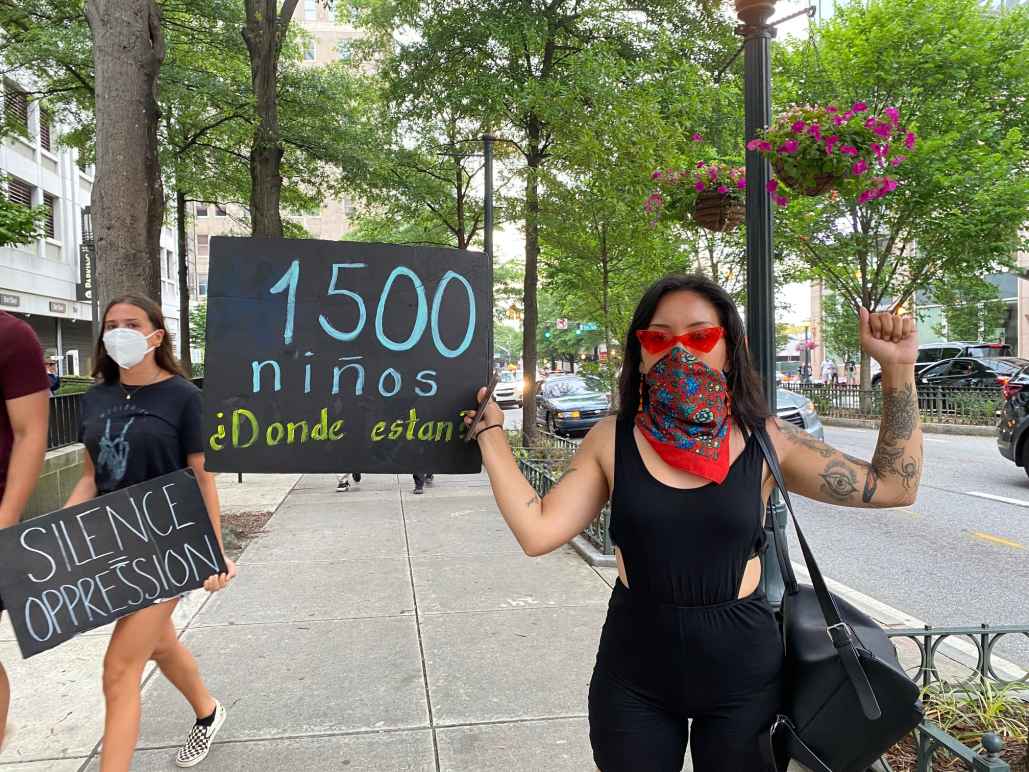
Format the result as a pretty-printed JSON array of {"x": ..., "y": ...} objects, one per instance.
[{"x": 127, "y": 347}]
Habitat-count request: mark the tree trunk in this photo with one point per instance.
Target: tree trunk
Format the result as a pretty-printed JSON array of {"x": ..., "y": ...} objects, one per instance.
[
  {"x": 264, "y": 32},
  {"x": 530, "y": 318},
  {"x": 185, "y": 334},
  {"x": 127, "y": 201}
]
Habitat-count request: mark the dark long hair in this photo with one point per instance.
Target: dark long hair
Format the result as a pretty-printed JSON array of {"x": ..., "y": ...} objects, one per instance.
[
  {"x": 749, "y": 406},
  {"x": 164, "y": 355}
]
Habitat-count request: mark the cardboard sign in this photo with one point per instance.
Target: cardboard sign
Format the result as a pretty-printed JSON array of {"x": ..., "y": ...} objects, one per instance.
[
  {"x": 331, "y": 356},
  {"x": 85, "y": 566}
]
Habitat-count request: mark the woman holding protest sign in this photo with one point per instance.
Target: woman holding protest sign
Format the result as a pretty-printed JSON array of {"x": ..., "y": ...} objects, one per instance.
[
  {"x": 142, "y": 420},
  {"x": 694, "y": 639}
]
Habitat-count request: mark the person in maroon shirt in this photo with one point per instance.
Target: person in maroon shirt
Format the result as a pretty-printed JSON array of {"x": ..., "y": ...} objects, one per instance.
[{"x": 24, "y": 402}]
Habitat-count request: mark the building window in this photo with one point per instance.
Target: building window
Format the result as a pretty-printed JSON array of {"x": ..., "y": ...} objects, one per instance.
[
  {"x": 201, "y": 210},
  {"x": 348, "y": 208},
  {"x": 170, "y": 262},
  {"x": 343, "y": 49},
  {"x": 310, "y": 10},
  {"x": 219, "y": 210},
  {"x": 19, "y": 192},
  {"x": 16, "y": 107},
  {"x": 203, "y": 244},
  {"x": 48, "y": 202},
  {"x": 202, "y": 285},
  {"x": 309, "y": 52},
  {"x": 44, "y": 129}
]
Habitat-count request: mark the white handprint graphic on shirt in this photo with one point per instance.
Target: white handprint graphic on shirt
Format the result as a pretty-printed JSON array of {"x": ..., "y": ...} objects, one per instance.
[{"x": 113, "y": 459}]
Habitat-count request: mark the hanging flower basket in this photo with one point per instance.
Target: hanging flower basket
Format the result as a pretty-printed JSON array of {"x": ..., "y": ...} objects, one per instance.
[
  {"x": 814, "y": 149},
  {"x": 719, "y": 212},
  {"x": 712, "y": 194}
]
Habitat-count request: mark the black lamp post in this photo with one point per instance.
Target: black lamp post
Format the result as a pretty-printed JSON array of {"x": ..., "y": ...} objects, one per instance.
[
  {"x": 88, "y": 256},
  {"x": 757, "y": 109}
]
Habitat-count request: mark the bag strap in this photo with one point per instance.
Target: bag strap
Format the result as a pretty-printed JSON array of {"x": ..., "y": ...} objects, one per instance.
[{"x": 838, "y": 630}]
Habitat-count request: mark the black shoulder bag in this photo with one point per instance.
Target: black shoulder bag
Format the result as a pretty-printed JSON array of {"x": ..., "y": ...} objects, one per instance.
[{"x": 846, "y": 700}]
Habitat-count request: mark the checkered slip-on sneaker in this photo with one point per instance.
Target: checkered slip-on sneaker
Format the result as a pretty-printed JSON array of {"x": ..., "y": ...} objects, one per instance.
[
  {"x": 198, "y": 741},
  {"x": 342, "y": 486}
]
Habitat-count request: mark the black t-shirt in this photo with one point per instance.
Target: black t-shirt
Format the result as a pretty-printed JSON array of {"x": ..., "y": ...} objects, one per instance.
[{"x": 134, "y": 440}]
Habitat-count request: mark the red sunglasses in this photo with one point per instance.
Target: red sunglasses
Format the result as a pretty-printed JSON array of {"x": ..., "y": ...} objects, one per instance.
[{"x": 656, "y": 341}]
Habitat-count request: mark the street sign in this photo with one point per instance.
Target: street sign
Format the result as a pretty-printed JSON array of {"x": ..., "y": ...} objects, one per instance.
[
  {"x": 589, "y": 326},
  {"x": 562, "y": 324}
]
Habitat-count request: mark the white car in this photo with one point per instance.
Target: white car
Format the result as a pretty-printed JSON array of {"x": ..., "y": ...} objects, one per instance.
[{"x": 509, "y": 389}]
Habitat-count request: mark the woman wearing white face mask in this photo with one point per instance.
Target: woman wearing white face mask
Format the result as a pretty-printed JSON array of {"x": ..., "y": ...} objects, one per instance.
[{"x": 140, "y": 421}]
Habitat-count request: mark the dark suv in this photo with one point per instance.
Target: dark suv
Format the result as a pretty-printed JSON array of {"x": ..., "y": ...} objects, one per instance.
[
  {"x": 931, "y": 353},
  {"x": 1012, "y": 437}
]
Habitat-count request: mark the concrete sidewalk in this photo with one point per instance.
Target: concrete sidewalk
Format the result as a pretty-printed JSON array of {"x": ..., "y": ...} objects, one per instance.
[{"x": 372, "y": 630}]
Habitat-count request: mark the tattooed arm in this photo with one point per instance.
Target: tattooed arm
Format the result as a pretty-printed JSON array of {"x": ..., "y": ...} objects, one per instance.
[
  {"x": 543, "y": 525},
  {"x": 818, "y": 471}
]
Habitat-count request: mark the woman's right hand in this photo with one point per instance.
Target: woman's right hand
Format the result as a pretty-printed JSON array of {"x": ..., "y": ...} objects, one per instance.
[{"x": 493, "y": 415}]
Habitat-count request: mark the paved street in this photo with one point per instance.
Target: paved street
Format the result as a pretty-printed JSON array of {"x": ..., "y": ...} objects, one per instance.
[{"x": 959, "y": 556}]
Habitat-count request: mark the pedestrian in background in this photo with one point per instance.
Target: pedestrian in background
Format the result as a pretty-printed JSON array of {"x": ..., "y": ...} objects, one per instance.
[
  {"x": 344, "y": 480},
  {"x": 420, "y": 481},
  {"x": 53, "y": 376},
  {"x": 24, "y": 395}
]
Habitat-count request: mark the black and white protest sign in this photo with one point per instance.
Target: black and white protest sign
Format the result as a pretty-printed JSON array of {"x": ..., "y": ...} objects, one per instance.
[
  {"x": 85, "y": 566},
  {"x": 329, "y": 356}
]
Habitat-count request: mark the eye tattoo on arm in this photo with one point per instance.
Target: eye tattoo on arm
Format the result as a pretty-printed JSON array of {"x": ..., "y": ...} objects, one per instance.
[{"x": 839, "y": 480}]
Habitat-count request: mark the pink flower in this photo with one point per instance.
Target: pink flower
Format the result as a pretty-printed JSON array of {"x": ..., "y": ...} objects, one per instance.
[
  {"x": 655, "y": 201},
  {"x": 859, "y": 168},
  {"x": 832, "y": 109},
  {"x": 815, "y": 131},
  {"x": 700, "y": 164},
  {"x": 838, "y": 120},
  {"x": 865, "y": 197},
  {"x": 883, "y": 130},
  {"x": 789, "y": 147},
  {"x": 889, "y": 185},
  {"x": 898, "y": 160},
  {"x": 741, "y": 183},
  {"x": 870, "y": 121},
  {"x": 722, "y": 189},
  {"x": 848, "y": 115},
  {"x": 657, "y": 175},
  {"x": 772, "y": 185},
  {"x": 830, "y": 143},
  {"x": 759, "y": 144},
  {"x": 798, "y": 127},
  {"x": 697, "y": 138},
  {"x": 780, "y": 200},
  {"x": 713, "y": 173},
  {"x": 859, "y": 107},
  {"x": 699, "y": 186},
  {"x": 909, "y": 140},
  {"x": 849, "y": 150},
  {"x": 893, "y": 114}
]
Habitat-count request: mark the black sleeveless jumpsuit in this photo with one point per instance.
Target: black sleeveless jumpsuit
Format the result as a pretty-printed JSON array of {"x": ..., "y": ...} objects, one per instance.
[{"x": 677, "y": 644}]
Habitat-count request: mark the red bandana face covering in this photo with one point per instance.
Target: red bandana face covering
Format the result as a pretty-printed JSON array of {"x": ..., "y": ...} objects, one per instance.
[{"x": 686, "y": 415}]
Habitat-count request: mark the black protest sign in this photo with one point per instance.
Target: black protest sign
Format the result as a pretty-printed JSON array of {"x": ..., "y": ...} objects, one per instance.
[
  {"x": 85, "y": 566},
  {"x": 330, "y": 356}
]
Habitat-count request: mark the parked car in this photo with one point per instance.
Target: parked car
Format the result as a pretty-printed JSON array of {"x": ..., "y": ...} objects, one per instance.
[
  {"x": 509, "y": 389},
  {"x": 931, "y": 353},
  {"x": 571, "y": 403},
  {"x": 1012, "y": 437},
  {"x": 970, "y": 372},
  {"x": 799, "y": 411}
]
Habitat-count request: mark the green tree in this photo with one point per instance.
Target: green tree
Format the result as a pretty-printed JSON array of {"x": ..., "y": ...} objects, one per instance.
[
  {"x": 971, "y": 310},
  {"x": 964, "y": 192},
  {"x": 839, "y": 329},
  {"x": 526, "y": 70}
]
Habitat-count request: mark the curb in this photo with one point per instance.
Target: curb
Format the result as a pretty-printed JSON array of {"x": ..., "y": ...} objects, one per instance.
[
  {"x": 591, "y": 554},
  {"x": 928, "y": 428}
]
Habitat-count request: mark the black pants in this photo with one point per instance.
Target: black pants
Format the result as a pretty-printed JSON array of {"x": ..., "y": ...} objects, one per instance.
[{"x": 665, "y": 676}]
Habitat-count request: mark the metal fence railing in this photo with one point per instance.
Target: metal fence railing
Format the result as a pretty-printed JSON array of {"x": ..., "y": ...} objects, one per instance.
[
  {"x": 933, "y": 742},
  {"x": 543, "y": 464},
  {"x": 937, "y": 404},
  {"x": 65, "y": 418}
]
